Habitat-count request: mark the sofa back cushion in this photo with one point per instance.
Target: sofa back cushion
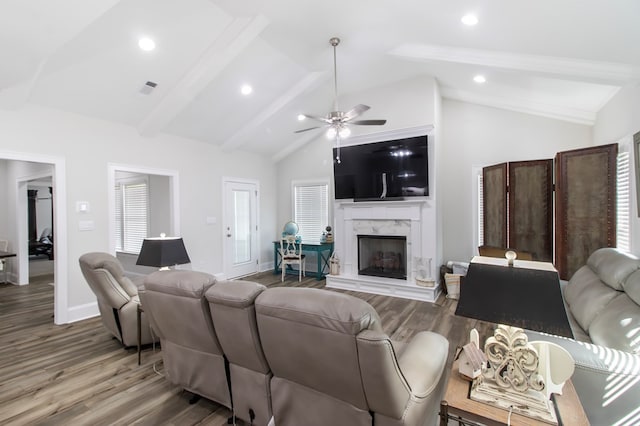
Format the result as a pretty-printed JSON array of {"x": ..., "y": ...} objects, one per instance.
[
  {"x": 613, "y": 266},
  {"x": 617, "y": 326},
  {"x": 586, "y": 296},
  {"x": 309, "y": 338},
  {"x": 632, "y": 287}
]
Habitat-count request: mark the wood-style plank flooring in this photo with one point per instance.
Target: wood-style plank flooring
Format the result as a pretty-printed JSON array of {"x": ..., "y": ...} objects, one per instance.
[{"x": 77, "y": 374}]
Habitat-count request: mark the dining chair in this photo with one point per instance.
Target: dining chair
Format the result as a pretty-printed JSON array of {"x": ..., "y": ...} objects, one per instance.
[{"x": 291, "y": 253}]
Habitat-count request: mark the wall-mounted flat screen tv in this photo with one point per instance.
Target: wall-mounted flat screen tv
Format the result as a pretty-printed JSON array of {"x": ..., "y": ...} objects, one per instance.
[{"x": 383, "y": 170}]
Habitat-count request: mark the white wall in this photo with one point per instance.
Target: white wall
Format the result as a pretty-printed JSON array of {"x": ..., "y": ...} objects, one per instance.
[
  {"x": 620, "y": 117},
  {"x": 476, "y": 135},
  {"x": 618, "y": 120},
  {"x": 88, "y": 145}
]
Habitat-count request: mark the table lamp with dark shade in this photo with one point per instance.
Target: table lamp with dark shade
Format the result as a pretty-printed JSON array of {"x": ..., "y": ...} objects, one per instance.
[
  {"x": 518, "y": 374},
  {"x": 163, "y": 252},
  {"x": 525, "y": 298}
]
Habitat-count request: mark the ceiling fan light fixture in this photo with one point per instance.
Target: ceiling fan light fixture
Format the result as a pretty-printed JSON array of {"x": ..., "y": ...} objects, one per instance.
[
  {"x": 344, "y": 132},
  {"x": 331, "y": 132}
]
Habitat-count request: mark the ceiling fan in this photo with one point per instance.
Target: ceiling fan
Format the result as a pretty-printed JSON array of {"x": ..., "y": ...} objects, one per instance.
[{"x": 338, "y": 121}]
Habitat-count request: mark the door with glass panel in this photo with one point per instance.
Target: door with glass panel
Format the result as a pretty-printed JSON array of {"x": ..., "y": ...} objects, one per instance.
[{"x": 240, "y": 228}]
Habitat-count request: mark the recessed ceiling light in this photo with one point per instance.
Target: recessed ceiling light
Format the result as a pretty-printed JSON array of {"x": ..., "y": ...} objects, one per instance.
[
  {"x": 469, "y": 20},
  {"x": 246, "y": 89},
  {"x": 146, "y": 44},
  {"x": 479, "y": 79},
  {"x": 301, "y": 117}
]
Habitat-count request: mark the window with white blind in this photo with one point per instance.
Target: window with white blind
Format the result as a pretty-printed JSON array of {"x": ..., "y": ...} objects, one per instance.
[
  {"x": 623, "y": 208},
  {"x": 311, "y": 208},
  {"x": 132, "y": 215}
]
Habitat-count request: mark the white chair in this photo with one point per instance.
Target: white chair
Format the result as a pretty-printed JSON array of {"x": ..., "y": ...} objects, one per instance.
[{"x": 291, "y": 253}]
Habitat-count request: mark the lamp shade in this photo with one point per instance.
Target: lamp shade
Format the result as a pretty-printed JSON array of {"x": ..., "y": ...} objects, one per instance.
[
  {"x": 524, "y": 298},
  {"x": 163, "y": 251}
]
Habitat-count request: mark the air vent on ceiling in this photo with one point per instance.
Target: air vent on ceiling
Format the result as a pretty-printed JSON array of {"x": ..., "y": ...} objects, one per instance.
[{"x": 148, "y": 87}]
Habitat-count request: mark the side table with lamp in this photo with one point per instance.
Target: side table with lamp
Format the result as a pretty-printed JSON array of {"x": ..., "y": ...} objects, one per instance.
[
  {"x": 518, "y": 377},
  {"x": 160, "y": 252}
]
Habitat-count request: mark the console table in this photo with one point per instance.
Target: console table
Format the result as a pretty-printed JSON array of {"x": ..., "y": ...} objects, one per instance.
[
  {"x": 458, "y": 406},
  {"x": 323, "y": 253}
]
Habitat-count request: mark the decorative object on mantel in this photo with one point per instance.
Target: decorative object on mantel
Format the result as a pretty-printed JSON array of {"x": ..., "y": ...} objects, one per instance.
[
  {"x": 423, "y": 272},
  {"x": 338, "y": 121},
  {"x": 510, "y": 255},
  {"x": 334, "y": 264}
]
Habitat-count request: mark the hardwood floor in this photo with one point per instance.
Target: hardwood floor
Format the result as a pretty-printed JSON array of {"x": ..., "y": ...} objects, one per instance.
[{"x": 78, "y": 374}]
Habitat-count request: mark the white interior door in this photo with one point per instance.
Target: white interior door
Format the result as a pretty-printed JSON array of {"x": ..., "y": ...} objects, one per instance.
[{"x": 240, "y": 228}]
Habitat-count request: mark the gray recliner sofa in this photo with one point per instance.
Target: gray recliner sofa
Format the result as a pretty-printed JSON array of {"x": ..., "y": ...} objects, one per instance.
[
  {"x": 117, "y": 297},
  {"x": 602, "y": 300},
  {"x": 307, "y": 356},
  {"x": 333, "y": 365}
]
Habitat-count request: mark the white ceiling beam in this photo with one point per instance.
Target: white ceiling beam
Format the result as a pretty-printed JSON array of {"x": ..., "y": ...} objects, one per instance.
[
  {"x": 16, "y": 96},
  {"x": 566, "y": 68},
  {"x": 309, "y": 82},
  {"x": 571, "y": 115},
  {"x": 233, "y": 40}
]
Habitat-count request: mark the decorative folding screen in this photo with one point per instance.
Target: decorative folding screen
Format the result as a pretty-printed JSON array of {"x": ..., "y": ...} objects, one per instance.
[
  {"x": 585, "y": 205},
  {"x": 531, "y": 208},
  {"x": 494, "y": 183},
  {"x": 528, "y": 187}
]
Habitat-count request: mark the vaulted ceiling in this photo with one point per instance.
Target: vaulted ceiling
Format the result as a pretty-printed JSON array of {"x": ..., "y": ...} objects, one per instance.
[{"x": 561, "y": 59}]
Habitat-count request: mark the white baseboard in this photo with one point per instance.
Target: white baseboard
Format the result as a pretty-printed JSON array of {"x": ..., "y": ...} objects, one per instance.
[
  {"x": 81, "y": 312},
  {"x": 266, "y": 266}
]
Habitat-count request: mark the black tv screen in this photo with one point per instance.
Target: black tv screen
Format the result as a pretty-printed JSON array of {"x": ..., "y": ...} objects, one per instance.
[{"x": 382, "y": 170}]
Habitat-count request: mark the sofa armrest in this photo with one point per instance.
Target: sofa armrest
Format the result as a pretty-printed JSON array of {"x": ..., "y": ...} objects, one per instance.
[
  {"x": 607, "y": 380},
  {"x": 422, "y": 362}
]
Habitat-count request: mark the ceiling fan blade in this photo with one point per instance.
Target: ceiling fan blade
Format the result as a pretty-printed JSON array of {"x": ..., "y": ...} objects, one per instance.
[
  {"x": 355, "y": 111},
  {"x": 315, "y": 117},
  {"x": 304, "y": 130},
  {"x": 368, "y": 122}
]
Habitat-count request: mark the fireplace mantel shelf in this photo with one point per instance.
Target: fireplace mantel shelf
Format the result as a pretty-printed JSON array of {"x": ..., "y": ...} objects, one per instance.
[{"x": 414, "y": 201}]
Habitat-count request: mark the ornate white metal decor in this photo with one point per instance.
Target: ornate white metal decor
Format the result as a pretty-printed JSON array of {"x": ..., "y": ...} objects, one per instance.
[
  {"x": 513, "y": 362},
  {"x": 511, "y": 380}
]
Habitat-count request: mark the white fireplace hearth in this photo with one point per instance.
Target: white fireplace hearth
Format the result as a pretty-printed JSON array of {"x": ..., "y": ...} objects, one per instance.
[{"x": 413, "y": 220}]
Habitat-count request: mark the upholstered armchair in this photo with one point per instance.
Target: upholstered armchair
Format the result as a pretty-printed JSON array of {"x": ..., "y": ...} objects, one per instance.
[
  {"x": 117, "y": 297},
  {"x": 180, "y": 316},
  {"x": 333, "y": 364}
]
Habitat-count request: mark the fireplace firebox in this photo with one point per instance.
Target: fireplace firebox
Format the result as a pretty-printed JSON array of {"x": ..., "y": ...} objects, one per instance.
[{"x": 382, "y": 256}]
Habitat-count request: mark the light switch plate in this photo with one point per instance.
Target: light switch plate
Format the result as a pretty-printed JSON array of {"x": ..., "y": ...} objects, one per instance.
[
  {"x": 86, "y": 225},
  {"x": 83, "y": 207}
]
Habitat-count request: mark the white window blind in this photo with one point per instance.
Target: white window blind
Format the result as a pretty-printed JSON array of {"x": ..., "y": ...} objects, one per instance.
[
  {"x": 623, "y": 208},
  {"x": 480, "y": 211},
  {"x": 311, "y": 209},
  {"x": 132, "y": 214}
]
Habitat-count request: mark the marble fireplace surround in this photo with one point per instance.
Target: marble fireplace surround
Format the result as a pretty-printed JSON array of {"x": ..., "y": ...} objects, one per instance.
[{"x": 404, "y": 218}]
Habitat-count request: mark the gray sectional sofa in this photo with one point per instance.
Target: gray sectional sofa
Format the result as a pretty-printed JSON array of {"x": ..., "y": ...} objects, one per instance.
[
  {"x": 602, "y": 300},
  {"x": 306, "y": 356}
]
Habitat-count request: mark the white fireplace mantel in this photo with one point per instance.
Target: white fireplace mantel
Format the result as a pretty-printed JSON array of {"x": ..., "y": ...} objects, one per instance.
[{"x": 413, "y": 219}]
